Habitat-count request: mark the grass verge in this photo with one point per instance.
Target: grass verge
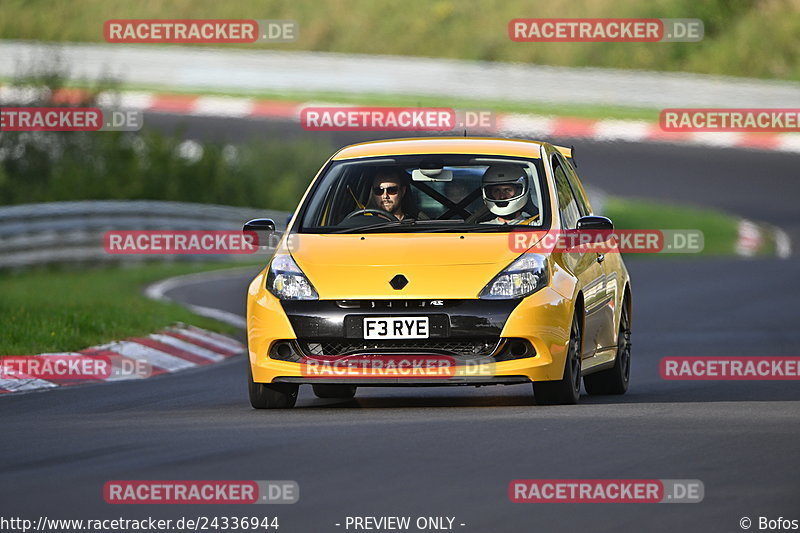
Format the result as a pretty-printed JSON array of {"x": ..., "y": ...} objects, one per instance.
[
  {"x": 67, "y": 310},
  {"x": 719, "y": 229},
  {"x": 757, "y": 38}
]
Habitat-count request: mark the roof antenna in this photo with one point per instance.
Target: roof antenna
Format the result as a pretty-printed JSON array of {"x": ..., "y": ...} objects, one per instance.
[{"x": 465, "y": 132}]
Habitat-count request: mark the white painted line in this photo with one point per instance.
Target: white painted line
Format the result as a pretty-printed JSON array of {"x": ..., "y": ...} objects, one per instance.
[
  {"x": 154, "y": 357},
  {"x": 717, "y": 138},
  {"x": 525, "y": 125},
  {"x": 24, "y": 384},
  {"x": 749, "y": 239},
  {"x": 622, "y": 130},
  {"x": 157, "y": 291},
  {"x": 22, "y": 95},
  {"x": 789, "y": 142},
  {"x": 134, "y": 100},
  {"x": 219, "y": 336},
  {"x": 326, "y": 104},
  {"x": 225, "y": 345},
  {"x": 217, "y": 314},
  {"x": 219, "y": 106},
  {"x": 783, "y": 244},
  {"x": 187, "y": 347}
]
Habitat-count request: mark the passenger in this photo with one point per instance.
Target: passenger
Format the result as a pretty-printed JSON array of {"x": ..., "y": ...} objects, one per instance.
[{"x": 505, "y": 193}]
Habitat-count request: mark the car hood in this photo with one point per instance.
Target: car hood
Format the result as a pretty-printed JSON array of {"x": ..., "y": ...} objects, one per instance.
[{"x": 436, "y": 266}]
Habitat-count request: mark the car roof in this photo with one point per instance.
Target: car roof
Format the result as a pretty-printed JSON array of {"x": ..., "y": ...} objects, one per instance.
[{"x": 446, "y": 145}]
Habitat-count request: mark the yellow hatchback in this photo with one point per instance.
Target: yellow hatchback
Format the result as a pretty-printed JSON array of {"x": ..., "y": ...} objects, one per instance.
[{"x": 414, "y": 262}]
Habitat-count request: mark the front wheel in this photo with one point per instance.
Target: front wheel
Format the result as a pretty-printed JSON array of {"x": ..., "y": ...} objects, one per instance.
[
  {"x": 270, "y": 395},
  {"x": 567, "y": 390},
  {"x": 615, "y": 380}
]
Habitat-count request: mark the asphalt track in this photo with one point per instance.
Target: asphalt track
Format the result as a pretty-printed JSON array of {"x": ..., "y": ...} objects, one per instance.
[{"x": 453, "y": 451}]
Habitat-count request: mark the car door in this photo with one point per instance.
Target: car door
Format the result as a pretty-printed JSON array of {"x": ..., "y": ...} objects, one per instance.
[
  {"x": 606, "y": 332},
  {"x": 586, "y": 266}
]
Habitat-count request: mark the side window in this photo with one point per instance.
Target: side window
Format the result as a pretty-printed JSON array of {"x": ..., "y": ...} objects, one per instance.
[
  {"x": 572, "y": 177},
  {"x": 566, "y": 200}
]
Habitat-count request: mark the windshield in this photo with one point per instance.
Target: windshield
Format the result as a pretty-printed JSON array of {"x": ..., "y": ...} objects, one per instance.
[{"x": 427, "y": 193}]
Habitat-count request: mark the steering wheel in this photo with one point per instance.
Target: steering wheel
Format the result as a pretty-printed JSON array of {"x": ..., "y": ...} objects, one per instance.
[{"x": 377, "y": 212}]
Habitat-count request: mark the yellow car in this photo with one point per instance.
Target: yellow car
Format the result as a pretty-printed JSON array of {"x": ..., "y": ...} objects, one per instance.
[{"x": 412, "y": 262}]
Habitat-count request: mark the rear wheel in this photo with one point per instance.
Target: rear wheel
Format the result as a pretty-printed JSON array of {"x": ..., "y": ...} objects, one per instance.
[
  {"x": 615, "y": 380},
  {"x": 568, "y": 389},
  {"x": 334, "y": 391},
  {"x": 270, "y": 395}
]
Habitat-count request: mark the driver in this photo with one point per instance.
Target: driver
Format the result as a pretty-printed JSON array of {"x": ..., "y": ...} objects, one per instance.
[
  {"x": 505, "y": 193},
  {"x": 390, "y": 193}
]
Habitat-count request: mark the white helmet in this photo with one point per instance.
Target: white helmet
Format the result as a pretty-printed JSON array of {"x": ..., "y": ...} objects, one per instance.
[{"x": 505, "y": 174}]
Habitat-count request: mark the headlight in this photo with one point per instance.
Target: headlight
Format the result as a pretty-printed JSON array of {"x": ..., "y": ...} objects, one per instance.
[
  {"x": 524, "y": 276},
  {"x": 287, "y": 282}
]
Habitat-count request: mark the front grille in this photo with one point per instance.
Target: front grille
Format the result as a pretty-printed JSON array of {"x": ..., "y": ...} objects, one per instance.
[{"x": 455, "y": 347}]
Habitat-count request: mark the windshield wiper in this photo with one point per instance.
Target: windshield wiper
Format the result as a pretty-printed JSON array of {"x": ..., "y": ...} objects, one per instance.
[
  {"x": 382, "y": 225},
  {"x": 439, "y": 226},
  {"x": 474, "y": 228}
]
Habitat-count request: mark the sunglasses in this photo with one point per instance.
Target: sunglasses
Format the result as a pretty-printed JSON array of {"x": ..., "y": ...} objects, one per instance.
[{"x": 378, "y": 191}]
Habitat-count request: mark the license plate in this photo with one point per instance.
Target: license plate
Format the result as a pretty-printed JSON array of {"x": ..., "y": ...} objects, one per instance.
[{"x": 398, "y": 327}]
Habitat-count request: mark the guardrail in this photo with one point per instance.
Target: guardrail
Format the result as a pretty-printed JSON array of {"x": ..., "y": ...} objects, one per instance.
[{"x": 72, "y": 232}]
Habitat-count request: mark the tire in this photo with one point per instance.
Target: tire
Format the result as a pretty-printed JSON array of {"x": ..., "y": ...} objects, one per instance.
[
  {"x": 270, "y": 395},
  {"x": 614, "y": 380},
  {"x": 567, "y": 390},
  {"x": 334, "y": 391}
]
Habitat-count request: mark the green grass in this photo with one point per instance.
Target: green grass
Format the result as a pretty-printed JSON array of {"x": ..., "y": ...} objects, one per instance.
[
  {"x": 755, "y": 38},
  {"x": 719, "y": 229},
  {"x": 66, "y": 310}
]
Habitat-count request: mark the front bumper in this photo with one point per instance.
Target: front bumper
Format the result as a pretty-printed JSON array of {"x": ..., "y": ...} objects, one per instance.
[
  {"x": 409, "y": 382},
  {"x": 543, "y": 319}
]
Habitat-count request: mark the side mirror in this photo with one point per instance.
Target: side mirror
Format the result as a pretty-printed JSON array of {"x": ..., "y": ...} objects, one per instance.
[
  {"x": 264, "y": 228},
  {"x": 593, "y": 222}
]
